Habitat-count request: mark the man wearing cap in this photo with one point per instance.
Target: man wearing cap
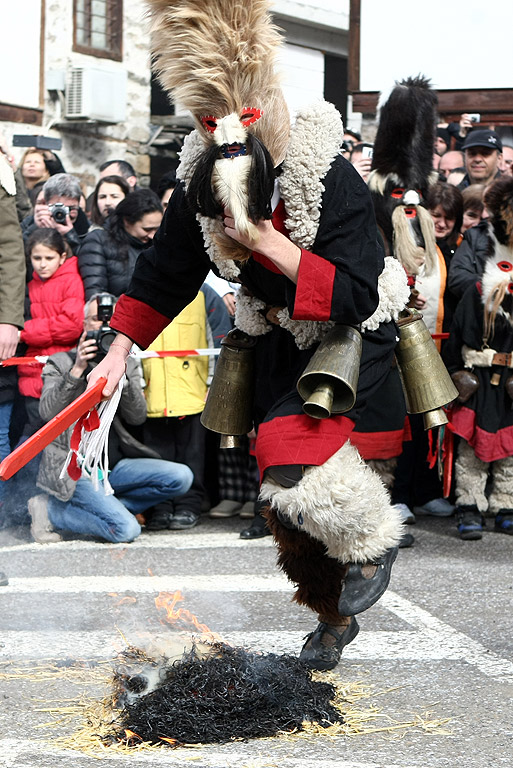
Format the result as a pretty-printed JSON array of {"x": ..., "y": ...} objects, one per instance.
[{"x": 482, "y": 151}]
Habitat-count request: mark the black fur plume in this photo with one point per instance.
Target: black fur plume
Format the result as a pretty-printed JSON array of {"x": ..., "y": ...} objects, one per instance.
[
  {"x": 261, "y": 180},
  {"x": 200, "y": 194},
  {"x": 406, "y": 133}
]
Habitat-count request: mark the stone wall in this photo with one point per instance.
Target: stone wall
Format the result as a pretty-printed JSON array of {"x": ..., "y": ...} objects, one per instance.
[{"x": 85, "y": 145}]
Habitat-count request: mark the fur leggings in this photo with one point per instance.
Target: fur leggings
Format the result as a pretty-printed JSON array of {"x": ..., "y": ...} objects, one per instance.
[{"x": 472, "y": 477}]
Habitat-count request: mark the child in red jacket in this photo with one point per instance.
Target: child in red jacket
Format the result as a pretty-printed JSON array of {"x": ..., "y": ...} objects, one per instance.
[{"x": 56, "y": 295}]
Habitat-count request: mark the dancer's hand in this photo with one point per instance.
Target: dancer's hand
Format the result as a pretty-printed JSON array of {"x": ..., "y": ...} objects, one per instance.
[
  {"x": 271, "y": 243},
  {"x": 113, "y": 365}
]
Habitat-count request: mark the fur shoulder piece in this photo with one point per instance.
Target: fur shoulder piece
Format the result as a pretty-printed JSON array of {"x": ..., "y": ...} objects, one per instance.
[
  {"x": 393, "y": 292},
  {"x": 306, "y": 332},
  {"x": 248, "y": 314},
  {"x": 315, "y": 141},
  {"x": 192, "y": 148}
]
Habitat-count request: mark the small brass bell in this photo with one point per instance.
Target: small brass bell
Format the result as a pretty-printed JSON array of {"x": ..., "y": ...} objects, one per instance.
[
  {"x": 229, "y": 407},
  {"x": 426, "y": 382},
  {"x": 330, "y": 380}
]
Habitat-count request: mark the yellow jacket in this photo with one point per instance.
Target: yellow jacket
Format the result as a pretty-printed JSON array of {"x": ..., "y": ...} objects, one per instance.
[{"x": 177, "y": 386}]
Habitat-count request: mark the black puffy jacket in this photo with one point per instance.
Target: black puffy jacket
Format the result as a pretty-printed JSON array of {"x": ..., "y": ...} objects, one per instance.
[
  {"x": 468, "y": 262},
  {"x": 106, "y": 264}
]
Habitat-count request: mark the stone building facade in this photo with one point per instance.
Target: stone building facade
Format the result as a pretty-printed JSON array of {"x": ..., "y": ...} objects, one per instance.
[{"x": 65, "y": 63}]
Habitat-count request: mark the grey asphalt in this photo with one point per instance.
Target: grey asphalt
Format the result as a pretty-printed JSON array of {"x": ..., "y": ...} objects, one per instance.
[{"x": 437, "y": 648}]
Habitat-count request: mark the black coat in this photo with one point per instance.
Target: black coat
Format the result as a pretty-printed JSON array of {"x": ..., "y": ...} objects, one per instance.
[
  {"x": 107, "y": 264},
  {"x": 467, "y": 264}
]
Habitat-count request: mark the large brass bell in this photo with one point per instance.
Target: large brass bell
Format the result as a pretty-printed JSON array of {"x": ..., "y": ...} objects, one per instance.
[
  {"x": 229, "y": 407},
  {"x": 426, "y": 382},
  {"x": 330, "y": 380}
]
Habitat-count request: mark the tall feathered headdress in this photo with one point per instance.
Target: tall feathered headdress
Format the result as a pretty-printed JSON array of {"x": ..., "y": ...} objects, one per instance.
[
  {"x": 402, "y": 171},
  {"x": 216, "y": 58}
]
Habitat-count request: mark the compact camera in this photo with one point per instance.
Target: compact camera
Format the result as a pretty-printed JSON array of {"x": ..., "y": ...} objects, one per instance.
[
  {"x": 103, "y": 336},
  {"x": 59, "y": 212},
  {"x": 474, "y": 117},
  {"x": 367, "y": 152}
]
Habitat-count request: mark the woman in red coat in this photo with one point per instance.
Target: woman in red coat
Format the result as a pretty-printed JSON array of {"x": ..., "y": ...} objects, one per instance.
[{"x": 56, "y": 295}]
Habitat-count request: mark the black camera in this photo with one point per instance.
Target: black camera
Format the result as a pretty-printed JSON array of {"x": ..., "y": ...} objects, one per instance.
[
  {"x": 60, "y": 212},
  {"x": 103, "y": 336}
]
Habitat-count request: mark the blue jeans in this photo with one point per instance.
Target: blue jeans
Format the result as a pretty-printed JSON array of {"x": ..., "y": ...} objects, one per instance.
[
  {"x": 138, "y": 484},
  {"x": 5, "y": 446}
]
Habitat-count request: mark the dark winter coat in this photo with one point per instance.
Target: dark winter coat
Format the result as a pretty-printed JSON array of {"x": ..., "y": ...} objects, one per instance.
[
  {"x": 467, "y": 264},
  {"x": 107, "y": 264}
]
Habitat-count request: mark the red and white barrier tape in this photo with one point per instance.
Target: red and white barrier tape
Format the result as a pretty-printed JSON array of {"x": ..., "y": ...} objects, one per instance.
[{"x": 140, "y": 354}]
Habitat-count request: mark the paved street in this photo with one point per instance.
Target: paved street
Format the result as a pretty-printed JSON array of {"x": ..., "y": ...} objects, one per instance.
[{"x": 436, "y": 649}]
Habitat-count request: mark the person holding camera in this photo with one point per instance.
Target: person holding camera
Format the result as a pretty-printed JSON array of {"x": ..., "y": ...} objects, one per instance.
[
  {"x": 139, "y": 477},
  {"x": 61, "y": 211},
  {"x": 56, "y": 296}
]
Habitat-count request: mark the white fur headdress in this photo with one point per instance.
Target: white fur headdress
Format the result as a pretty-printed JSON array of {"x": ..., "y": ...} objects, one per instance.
[{"x": 216, "y": 58}]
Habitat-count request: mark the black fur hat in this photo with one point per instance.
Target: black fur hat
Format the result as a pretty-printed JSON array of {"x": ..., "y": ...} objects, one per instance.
[{"x": 405, "y": 139}]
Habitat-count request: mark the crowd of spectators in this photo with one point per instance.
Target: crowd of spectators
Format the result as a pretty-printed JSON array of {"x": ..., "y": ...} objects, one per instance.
[{"x": 80, "y": 249}]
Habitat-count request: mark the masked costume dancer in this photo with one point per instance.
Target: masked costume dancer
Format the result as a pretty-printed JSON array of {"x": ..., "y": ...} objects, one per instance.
[
  {"x": 402, "y": 174},
  {"x": 479, "y": 355},
  {"x": 281, "y": 211}
]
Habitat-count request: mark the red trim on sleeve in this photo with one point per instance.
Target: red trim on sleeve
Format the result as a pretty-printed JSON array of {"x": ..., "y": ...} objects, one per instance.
[
  {"x": 488, "y": 446},
  {"x": 299, "y": 439},
  {"x": 138, "y": 321},
  {"x": 314, "y": 290}
]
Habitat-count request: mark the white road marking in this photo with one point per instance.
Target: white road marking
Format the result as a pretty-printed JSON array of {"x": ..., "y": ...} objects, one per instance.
[
  {"x": 238, "y": 582},
  {"x": 165, "y": 540},
  {"x": 96, "y": 645},
  {"x": 455, "y": 644},
  {"x": 13, "y": 749},
  {"x": 431, "y": 638}
]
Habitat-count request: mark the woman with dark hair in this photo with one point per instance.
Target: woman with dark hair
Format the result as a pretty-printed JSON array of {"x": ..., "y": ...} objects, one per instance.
[
  {"x": 445, "y": 204},
  {"x": 109, "y": 192},
  {"x": 107, "y": 257},
  {"x": 473, "y": 206}
]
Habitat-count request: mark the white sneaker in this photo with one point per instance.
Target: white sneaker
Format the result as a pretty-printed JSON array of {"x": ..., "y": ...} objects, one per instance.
[
  {"x": 226, "y": 508},
  {"x": 436, "y": 508},
  {"x": 248, "y": 510},
  {"x": 407, "y": 515},
  {"x": 41, "y": 528}
]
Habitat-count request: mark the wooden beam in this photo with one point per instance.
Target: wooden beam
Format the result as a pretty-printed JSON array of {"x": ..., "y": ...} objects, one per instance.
[
  {"x": 494, "y": 104},
  {"x": 13, "y": 114},
  {"x": 353, "y": 71}
]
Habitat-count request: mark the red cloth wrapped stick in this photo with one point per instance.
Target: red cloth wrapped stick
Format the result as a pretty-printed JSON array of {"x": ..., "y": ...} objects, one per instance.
[{"x": 44, "y": 436}]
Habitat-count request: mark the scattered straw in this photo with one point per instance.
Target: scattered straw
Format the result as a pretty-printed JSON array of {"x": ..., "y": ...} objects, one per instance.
[{"x": 90, "y": 722}]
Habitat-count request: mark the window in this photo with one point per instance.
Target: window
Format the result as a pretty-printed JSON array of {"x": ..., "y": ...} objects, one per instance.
[{"x": 98, "y": 27}]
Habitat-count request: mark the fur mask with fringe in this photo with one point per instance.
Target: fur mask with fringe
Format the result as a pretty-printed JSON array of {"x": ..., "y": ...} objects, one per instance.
[
  {"x": 402, "y": 172},
  {"x": 497, "y": 280},
  {"x": 216, "y": 58}
]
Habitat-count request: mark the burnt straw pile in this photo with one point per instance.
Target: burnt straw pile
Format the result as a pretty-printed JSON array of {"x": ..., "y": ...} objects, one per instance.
[{"x": 219, "y": 695}]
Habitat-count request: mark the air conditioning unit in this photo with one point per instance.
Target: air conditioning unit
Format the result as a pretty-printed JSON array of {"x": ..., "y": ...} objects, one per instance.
[{"x": 96, "y": 94}]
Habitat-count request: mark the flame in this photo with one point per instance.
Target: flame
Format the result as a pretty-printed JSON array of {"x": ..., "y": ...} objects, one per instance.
[
  {"x": 169, "y": 741},
  {"x": 167, "y": 601},
  {"x": 131, "y": 734}
]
